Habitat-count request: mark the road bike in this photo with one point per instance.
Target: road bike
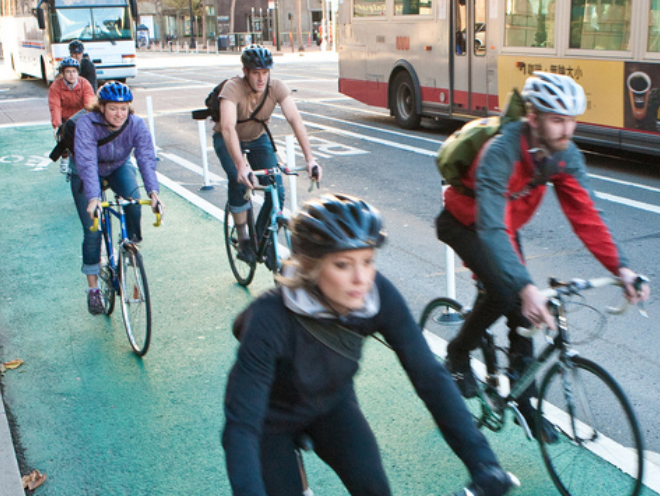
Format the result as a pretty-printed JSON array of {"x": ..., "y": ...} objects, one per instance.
[
  {"x": 598, "y": 430},
  {"x": 271, "y": 243},
  {"x": 123, "y": 273}
]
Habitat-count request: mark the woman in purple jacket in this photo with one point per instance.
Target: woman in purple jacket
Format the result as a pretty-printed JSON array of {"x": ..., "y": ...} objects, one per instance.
[{"x": 91, "y": 163}]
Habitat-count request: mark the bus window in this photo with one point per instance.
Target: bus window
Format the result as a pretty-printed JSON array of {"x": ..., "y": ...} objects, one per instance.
[
  {"x": 412, "y": 7},
  {"x": 654, "y": 27},
  {"x": 365, "y": 8},
  {"x": 480, "y": 28},
  {"x": 110, "y": 23},
  {"x": 600, "y": 24},
  {"x": 530, "y": 23},
  {"x": 460, "y": 21}
]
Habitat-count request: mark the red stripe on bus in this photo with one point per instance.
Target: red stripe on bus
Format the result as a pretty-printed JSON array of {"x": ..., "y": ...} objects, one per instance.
[
  {"x": 375, "y": 93},
  {"x": 369, "y": 92}
]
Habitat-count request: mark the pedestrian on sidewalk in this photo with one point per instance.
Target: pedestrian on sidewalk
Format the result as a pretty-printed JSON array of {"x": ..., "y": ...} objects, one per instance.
[{"x": 300, "y": 349}]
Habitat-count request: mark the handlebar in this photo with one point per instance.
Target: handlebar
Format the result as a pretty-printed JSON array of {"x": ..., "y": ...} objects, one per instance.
[
  {"x": 279, "y": 170},
  {"x": 123, "y": 203},
  {"x": 558, "y": 289}
]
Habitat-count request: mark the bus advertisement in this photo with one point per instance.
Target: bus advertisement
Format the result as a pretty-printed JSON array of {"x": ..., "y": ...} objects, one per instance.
[
  {"x": 36, "y": 35},
  {"x": 458, "y": 59}
]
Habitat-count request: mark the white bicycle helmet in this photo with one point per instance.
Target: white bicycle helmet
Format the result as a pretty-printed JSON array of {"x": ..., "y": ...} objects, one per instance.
[{"x": 555, "y": 94}]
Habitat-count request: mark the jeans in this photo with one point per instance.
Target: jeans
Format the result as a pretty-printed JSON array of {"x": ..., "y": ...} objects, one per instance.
[
  {"x": 123, "y": 182},
  {"x": 261, "y": 156},
  {"x": 497, "y": 300}
]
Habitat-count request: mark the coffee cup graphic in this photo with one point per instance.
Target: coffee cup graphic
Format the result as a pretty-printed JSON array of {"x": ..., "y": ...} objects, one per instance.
[{"x": 639, "y": 87}]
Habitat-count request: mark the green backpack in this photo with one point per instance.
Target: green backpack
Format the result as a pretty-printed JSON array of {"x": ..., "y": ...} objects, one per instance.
[{"x": 457, "y": 153}]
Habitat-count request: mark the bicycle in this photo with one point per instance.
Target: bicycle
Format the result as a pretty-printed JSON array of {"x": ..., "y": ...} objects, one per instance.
[
  {"x": 589, "y": 434},
  {"x": 123, "y": 273},
  {"x": 265, "y": 244}
]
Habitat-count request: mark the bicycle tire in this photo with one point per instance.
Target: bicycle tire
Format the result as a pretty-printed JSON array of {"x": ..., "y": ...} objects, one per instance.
[
  {"x": 243, "y": 271},
  {"x": 135, "y": 299},
  {"x": 445, "y": 312},
  {"x": 106, "y": 284},
  {"x": 283, "y": 239},
  {"x": 600, "y": 448}
]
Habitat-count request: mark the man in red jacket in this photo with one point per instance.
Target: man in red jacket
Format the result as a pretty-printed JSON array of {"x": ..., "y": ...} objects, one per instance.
[
  {"x": 508, "y": 181},
  {"x": 67, "y": 95}
]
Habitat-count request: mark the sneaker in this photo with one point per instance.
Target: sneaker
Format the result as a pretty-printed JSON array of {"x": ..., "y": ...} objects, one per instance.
[
  {"x": 461, "y": 372},
  {"x": 246, "y": 252},
  {"x": 95, "y": 304},
  {"x": 491, "y": 481}
]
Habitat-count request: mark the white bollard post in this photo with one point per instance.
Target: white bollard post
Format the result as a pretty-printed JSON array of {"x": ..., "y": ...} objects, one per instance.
[
  {"x": 150, "y": 118},
  {"x": 291, "y": 164},
  {"x": 201, "y": 125}
]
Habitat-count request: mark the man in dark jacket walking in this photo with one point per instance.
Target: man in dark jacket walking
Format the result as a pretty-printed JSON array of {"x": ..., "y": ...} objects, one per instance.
[{"x": 87, "y": 67}]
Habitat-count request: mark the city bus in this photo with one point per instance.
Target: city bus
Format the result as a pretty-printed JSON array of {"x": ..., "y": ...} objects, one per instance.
[
  {"x": 36, "y": 35},
  {"x": 459, "y": 59}
]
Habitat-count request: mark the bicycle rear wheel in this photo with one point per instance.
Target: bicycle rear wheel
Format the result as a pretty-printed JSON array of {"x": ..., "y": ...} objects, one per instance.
[
  {"x": 444, "y": 318},
  {"x": 243, "y": 271},
  {"x": 135, "y": 301},
  {"x": 600, "y": 444}
]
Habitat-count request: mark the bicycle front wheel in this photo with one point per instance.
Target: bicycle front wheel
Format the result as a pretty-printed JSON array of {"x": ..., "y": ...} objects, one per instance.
[
  {"x": 106, "y": 284},
  {"x": 243, "y": 271},
  {"x": 600, "y": 444},
  {"x": 135, "y": 301},
  {"x": 279, "y": 248}
]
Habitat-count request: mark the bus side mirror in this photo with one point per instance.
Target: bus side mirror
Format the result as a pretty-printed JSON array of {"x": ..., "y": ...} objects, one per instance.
[
  {"x": 41, "y": 18},
  {"x": 134, "y": 9}
]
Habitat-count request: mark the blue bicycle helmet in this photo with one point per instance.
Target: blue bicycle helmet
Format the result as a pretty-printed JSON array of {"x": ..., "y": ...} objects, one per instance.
[
  {"x": 115, "y": 91},
  {"x": 336, "y": 223},
  {"x": 69, "y": 62},
  {"x": 257, "y": 57},
  {"x": 76, "y": 47}
]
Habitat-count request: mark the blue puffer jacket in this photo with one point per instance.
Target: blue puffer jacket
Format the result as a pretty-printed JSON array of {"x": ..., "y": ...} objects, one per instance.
[{"x": 93, "y": 161}]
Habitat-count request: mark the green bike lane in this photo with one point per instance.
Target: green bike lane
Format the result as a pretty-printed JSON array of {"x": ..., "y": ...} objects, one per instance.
[{"x": 100, "y": 421}]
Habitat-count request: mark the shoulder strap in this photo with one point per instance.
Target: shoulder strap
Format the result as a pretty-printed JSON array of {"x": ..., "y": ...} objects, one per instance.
[
  {"x": 338, "y": 338},
  {"x": 114, "y": 134}
]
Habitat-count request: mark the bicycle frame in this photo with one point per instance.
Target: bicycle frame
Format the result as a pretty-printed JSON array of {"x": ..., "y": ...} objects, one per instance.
[{"x": 275, "y": 219}]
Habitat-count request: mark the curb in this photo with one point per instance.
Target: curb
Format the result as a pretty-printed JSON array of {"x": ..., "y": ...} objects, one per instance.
[{"x": 10, "y": 476}]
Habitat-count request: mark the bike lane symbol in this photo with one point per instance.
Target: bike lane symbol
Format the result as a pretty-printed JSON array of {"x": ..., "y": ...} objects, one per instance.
[{"x": 35, "y": 162}]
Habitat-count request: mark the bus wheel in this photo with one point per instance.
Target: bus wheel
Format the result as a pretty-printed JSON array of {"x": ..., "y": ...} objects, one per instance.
[
  {"x": 404, "y": 104},
  {"x": 44, "y": 77}
]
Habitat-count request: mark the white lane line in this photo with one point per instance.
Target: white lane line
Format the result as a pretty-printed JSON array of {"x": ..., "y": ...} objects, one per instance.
[
  {"x": 392, "y": 144},
  {"x": 606, "y": 448},
  {"x": 366, "y": 126},
  {"x": 629, "y": 203},
  {"x": 625, "y": 183},
  {"x": 26, "y": 124},
  {"x": 200, "y": 203},
  {"x": 192, "y": 167}
]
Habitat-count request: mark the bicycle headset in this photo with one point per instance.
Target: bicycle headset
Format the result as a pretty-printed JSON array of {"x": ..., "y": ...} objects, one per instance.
[
  {"x": 69, "y": 62},
  {"x": 76, "y": 47},
  {"x": 554, "y": 93},
  {"x": 115, "y": 91},
  {"x": 257, "y": 57},
  {"x": 335, "y": 223}
]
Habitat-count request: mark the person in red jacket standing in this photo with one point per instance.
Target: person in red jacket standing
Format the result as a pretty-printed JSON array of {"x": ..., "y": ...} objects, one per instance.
[{"x": 67, "y": 95}]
